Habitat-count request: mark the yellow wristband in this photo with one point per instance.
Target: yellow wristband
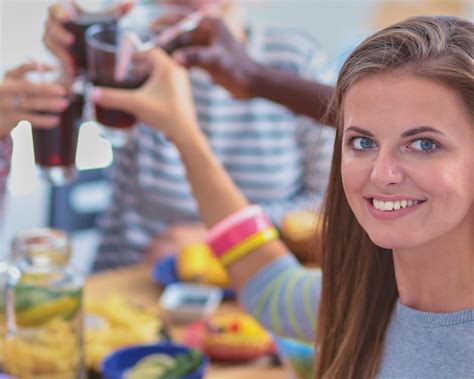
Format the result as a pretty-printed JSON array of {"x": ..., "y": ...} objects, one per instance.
[{"x": 248, "y": 245}]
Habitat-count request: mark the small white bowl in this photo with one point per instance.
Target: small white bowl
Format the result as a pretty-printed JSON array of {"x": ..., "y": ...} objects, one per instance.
[{"x": 186, "y": 302}]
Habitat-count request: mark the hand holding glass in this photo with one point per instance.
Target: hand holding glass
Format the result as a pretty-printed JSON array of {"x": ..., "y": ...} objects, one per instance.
[{"x": 85, "y": 13}]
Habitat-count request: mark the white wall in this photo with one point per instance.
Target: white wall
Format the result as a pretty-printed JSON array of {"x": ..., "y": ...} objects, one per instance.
[{"x": 336, "y": 24}]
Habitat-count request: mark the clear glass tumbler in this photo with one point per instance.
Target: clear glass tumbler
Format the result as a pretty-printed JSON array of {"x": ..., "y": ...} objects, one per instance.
[{"x": 105, "y": 44}]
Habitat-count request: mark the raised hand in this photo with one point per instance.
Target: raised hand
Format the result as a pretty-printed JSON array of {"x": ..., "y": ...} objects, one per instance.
[
  {"x": 212, "y": 47},
  {"x": 21, "y": 99},
  {"x": 163, "y": 102},
  {"x": 57, "y": 38}
]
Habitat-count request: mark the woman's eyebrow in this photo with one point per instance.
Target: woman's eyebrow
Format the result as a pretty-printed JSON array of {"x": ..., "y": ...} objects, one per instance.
[
  {"x": 359, "y": 130},
  {"x": 420, "y": 129}
]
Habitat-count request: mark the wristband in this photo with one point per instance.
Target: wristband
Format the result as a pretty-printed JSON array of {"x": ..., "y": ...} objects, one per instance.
[
  {"x": 248, "y": 245},
  {"x": 239, "y": 232},
  {"x": 228, "y": 223}
]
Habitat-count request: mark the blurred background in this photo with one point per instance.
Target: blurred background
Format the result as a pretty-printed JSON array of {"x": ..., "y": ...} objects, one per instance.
[{"x": 338, "y": 25}]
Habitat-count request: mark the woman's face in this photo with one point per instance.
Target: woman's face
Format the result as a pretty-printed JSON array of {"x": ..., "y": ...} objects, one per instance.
[{"x": 407, "y": 160}]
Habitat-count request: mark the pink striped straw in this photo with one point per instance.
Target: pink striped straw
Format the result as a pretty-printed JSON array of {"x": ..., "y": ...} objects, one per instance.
[
  {"x": 130, "y": 44},
  {"x": 188, "y": 23}
]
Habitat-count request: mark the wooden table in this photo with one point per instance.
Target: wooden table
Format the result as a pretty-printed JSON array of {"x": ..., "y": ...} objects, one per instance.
[{"x": 135, "y": 284}]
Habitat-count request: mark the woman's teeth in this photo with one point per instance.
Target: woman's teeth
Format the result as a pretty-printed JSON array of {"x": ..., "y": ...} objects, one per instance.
[{"x": 393, "y": 205}]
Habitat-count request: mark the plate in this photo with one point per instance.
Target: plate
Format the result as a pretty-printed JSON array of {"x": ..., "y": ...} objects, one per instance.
[
  {"x": 194, "y": 336},
  {"x": 164, "y": 273}
]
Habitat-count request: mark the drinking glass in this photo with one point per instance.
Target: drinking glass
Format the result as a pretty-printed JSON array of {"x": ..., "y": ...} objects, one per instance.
[
  {"x": 105, "y": 44},
  {"x": 55, "y": 148},
  {"x": 85, "y": 13}
]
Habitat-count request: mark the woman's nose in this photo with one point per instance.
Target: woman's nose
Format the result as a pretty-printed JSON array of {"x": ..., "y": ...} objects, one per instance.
[{"x": 387, "y": 170}]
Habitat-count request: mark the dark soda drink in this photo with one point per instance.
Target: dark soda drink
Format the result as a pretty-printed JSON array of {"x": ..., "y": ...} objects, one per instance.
[
  {"x": 103, "y": 49},
  {"x": 113, "y": 117},
  {"x": 78, "y": 28},
  {"x": 111, "y": 66},
  {"x": 56, "y": 147}
]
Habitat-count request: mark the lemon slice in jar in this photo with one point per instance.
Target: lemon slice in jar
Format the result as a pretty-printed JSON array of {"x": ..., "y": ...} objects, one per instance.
[{"x": 65, "y": 307}]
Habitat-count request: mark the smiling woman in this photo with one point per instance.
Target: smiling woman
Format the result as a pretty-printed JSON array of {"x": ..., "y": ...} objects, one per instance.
[{"x": 400, "y": 206}]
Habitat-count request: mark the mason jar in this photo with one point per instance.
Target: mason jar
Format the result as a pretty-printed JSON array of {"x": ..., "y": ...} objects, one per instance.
[{"x": 43, "y": 305}]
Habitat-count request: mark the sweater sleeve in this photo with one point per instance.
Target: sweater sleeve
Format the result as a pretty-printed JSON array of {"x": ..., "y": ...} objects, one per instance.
[{"x": 284, "y": 297}]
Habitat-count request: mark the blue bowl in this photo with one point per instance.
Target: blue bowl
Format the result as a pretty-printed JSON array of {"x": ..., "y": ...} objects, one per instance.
[
  {"x": 164, "y": 273},
  {"x": 297, "y": 357},
  {"x": 119, "y": 361}
]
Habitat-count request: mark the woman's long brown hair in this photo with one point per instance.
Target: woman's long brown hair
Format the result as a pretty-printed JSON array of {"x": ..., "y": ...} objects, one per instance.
[{"x": 359, "y": 289}]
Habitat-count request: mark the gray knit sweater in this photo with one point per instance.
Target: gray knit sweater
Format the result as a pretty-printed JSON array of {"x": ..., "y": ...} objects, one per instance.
[{"x": 284, "y": 297}]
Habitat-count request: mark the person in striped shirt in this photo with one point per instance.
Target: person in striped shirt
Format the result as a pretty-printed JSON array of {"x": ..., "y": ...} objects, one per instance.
[{"x": 270, "y": 153}]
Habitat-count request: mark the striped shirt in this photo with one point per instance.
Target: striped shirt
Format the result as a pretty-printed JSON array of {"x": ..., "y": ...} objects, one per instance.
[
  {"x": 5, "y": 156},
  {"x": 278, "y": 159}
]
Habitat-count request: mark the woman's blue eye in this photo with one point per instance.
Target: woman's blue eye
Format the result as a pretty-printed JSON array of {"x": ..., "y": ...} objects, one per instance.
[
  {"x": 424, "y": 145},
  {"x": 362, "y": 143}
]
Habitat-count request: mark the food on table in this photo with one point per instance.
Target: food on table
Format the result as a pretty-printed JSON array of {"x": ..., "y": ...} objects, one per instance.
[
  {"x": 297, "y": 356},
  {"x": 164, "y": 366},
  {"x": 302, "y": 224},
  {"x": 50, "y": 352},
  {"x": 235, "y": 337},
  {"x": 196, "y": 263},
  {"x": 303, "y": 367},
  {"x": 115, "y": 323},
  {"x": 301, "y": 231},
  {"x": 47, "y": 339},
  {"x": 35, "y": 305}
]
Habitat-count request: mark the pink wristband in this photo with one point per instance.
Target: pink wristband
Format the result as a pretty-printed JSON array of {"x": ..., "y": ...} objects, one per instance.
[
  {"x": 223, "y": 226},
  {"x": 239, "y": 232},
  {"x": 235, "y": 228}
]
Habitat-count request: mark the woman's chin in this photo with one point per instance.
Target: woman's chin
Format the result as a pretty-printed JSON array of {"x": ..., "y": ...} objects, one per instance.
[{"x": 391, "y": 242}]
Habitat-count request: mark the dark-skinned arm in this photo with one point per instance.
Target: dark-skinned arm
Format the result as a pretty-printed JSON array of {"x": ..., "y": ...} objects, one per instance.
[{"x": 212, "y": 46}]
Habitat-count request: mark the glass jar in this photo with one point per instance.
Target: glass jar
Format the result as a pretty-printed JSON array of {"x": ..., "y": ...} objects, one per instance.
[{"x": 43, "y": 303}]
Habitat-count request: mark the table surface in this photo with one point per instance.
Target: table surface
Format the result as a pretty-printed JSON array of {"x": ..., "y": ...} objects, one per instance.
[{"x": 135, "y": 284}]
